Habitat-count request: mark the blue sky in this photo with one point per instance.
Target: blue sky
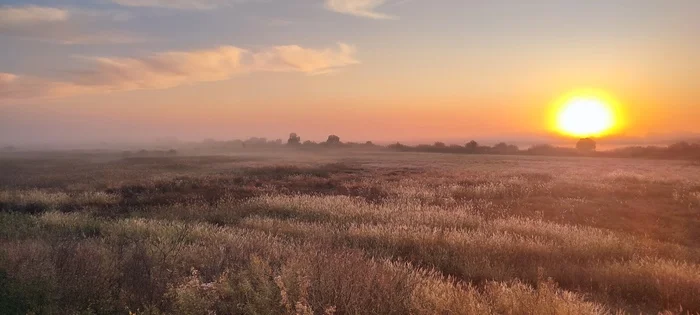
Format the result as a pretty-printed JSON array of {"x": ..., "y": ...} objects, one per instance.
[{"x": 431, "y": 65}]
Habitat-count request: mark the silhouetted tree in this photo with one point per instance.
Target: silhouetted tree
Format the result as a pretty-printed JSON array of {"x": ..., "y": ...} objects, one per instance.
[
  {"x": 369, "y": 144},
  {"x": 500, "y": 146},
  {"x": 680, "y": 147},
  {"x": 504, "y": 148},
  {"x": 586, "y": 145},
  {"x": 397, "y": 146},
  {"x": 439, "y": 144},
  {"x": 256, "y": 142},
  {"x": 333, "y": 140},
  {"x": 294, "y": 139},
  {"x": 548, "y": 149},
  {"x": 471, "y": 146}
]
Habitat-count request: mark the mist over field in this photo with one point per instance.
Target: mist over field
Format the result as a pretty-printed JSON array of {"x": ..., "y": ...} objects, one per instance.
[
  {"x": 347, "y": 231},
  {"x": 321, "y": 157}
]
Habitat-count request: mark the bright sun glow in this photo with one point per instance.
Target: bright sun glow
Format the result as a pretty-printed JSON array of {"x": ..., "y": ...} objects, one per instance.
[{"x": 585, "y": 115}]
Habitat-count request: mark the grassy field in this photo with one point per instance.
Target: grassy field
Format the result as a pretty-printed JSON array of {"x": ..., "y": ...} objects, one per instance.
[{"x": 347, "y": 232}]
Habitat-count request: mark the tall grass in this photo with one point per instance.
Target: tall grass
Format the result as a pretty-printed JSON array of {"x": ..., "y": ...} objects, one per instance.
[
  {"x": 160, "y": 266},
  {"x": 379, "y": 234}
]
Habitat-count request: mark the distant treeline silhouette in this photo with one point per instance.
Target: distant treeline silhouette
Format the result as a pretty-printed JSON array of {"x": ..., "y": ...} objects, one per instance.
[
  {"x": 682, "y": 150},
  {"x": 583, "y": 147},
  {"x": 151, "y": 153}
]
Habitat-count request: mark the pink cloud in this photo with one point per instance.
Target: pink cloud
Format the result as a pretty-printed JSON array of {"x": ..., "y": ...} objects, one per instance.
[
  {"x": 163, "y": 70},
  {"x": 361, "y": 8},
  {"x": 294, "y": 58},
  {"x": 66, "y": 26},
  {"x": 171, "y": 69}
]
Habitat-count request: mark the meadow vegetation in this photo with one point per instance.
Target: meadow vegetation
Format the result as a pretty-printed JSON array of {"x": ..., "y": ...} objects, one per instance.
[{"x": 348, "y": 233}]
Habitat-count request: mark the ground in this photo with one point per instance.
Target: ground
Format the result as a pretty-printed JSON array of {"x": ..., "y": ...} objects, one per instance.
[{"x": 347, "y": 232}]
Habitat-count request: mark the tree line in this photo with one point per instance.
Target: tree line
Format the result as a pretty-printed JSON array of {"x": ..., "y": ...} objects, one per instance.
[{"x": 583, "y": 147}]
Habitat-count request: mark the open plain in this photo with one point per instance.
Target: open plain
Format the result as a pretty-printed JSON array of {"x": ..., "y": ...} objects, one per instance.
[{"x": 347, "y": 232}]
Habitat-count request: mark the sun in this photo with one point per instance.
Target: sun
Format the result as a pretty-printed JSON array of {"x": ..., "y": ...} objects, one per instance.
[{"x": 585, "y": 115}]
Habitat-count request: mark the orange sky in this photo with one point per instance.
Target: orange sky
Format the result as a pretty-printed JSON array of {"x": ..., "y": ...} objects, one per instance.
[{"x": 390, "y": 70}]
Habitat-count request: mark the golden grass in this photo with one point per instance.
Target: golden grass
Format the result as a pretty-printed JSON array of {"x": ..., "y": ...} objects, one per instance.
[{"x": 374, "y": 234}]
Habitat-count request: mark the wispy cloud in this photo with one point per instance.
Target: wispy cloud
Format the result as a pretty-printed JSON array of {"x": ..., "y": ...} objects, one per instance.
[
  {"x": 8, "y": 84},
  {"x": 14, "y": 86},
  {"x": 31, "y": 15},
  {"x": 295, "y": 58},
  {"x": 179, "y": 4},
  {"x": 161, "y": 71},
  {"x": 66, "y": 26},
  {"x": 361, "y": 8},
  {"x": 172, "y": 69}
]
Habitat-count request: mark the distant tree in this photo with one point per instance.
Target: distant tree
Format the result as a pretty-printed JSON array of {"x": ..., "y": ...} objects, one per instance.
[
  {"x": 542, "y": 149},
  {"x": 333, "y": 140},
  {"x": 439, "y": 145},
  {"x": 472, "y": 146},
  {"x": 294, "y": 139},
  {"x": 231, "y": 144},
  {"x": 586, "y": 145},
  {"x": 397, "y": 146},
  {"x": 684, "y": 149},
  {"x": 309, "y": 142},
  {"x": 500, "y": 146},
  {"x": 369, "y": 144},
  {"x": 172, "y": 152},
  {"x": 679, "y": 146},
  {"x": 238, "y": 143},
  {"x": 257, "y": 141},
  {"x": 504, "y": 148}
]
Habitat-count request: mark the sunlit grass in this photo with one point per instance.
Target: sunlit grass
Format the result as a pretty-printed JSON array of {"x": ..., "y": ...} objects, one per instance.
[{"x": 423, "y": 235}]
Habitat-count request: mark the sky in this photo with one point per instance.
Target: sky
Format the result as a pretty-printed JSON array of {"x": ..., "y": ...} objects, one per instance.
[{"x": 75, "y": 71}]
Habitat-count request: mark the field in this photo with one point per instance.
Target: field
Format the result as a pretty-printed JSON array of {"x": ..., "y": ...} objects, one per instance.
[{"x": 347, "y": 232}]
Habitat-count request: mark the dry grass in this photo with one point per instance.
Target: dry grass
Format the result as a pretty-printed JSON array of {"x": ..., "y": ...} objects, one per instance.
[{"x": 349, "y": 234}]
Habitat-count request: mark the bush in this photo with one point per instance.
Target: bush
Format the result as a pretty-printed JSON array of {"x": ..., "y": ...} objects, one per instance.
[{"x": 586, "y": 145}]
